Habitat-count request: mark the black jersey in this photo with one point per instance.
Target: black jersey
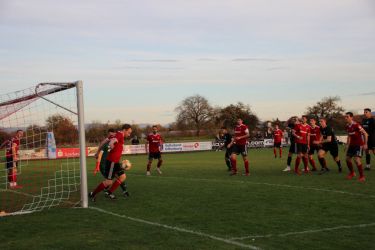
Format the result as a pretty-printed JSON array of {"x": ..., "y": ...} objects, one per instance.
[
  {"x": 369, "y": 125},
  {"x": 328, "y": 131},
  {"x": 290, "y": 134}
]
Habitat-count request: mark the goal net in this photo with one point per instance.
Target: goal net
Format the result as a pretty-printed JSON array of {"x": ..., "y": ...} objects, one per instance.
[{"x": 42, "y": 155}]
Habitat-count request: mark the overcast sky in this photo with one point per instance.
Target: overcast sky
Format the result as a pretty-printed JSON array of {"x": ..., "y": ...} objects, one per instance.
[{"x": 140, "y": 59}]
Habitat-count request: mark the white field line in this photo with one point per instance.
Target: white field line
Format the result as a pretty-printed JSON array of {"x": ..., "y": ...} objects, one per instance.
[
  {"x": 304, "y": 232},
  {"x": 179, "y": 229},
  {"x": 263, "y": 183}
]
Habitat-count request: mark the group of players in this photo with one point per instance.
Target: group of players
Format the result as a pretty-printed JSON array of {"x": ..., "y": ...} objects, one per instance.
[
  {"x": 306, "y": 139},
  {"x": 109, "y": 156}
]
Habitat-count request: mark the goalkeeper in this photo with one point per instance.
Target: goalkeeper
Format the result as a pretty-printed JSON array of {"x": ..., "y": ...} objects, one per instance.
[{"x": 101, "y": 156}]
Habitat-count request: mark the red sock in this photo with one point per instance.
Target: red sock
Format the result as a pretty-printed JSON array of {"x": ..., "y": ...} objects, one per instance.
[
  {"x": 14, "y": 176},
  {"x": 280, "y": 152},
  {"x": 306, "y": 162},
  {"x": 350, "y": 166},
  {"x": 148, "y": 167},
  {"x": 114, "y": 186},
  {"x": 312, "y": 162},
  {"x": 234, "y": 165},
  {"x": 274, "y": 152},
  {"x": 360, "y": 170},
  {"x": 99, "y": 188},
  {"x": 246, "y": 166},
  {"x": 298, "y": 161},
  {"x": 159, "y": 163}
]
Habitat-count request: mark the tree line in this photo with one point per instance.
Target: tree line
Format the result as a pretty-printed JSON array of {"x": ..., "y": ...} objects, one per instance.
[{"x": 195, "y": 117}]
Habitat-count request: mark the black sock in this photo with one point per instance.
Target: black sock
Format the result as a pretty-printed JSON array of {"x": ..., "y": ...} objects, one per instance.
[
  {"x": 289, "y": 160},
  {"x": 338, "y": 163},
  {"x": 227, "y": 161},
  {"x": 368, "y": 159},
  {"x": 322, "y": 163},
  {"x": 124, "y": 186}
]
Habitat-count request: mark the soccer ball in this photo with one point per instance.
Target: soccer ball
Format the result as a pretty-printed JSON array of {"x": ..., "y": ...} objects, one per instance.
[{"x": 126, "y": 165}]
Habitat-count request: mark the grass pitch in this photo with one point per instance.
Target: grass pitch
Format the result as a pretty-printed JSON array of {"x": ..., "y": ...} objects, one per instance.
[{"x": 195, "y": 204}]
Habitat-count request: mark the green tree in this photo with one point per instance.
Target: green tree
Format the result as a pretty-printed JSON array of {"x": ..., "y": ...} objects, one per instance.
[
  {"x": 330, "y": 109},
  {"x": 96, "y": 132},
  {"x": 35, "y": 136},
  {"x": 63, "y": 128},
  {"x": 3, "y": 136},
  {"x": 228, "y": 116}
]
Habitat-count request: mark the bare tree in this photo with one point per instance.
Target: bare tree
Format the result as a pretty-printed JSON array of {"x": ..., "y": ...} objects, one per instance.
[{"x": 195, "y": 112}]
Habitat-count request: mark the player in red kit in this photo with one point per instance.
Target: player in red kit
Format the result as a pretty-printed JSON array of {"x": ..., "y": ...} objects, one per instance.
[
  {"x": 153, "y": 148},
  {"x": 241, "y": 135},
  {"x": 12, "y": 158},
  {"x": 354, "y": 146},
  {"x": 113, "y": 166},
  {"x": 302, "y": 135},
  {"x": 277, "y": 135},
  {"x": 314, "y": 142}
]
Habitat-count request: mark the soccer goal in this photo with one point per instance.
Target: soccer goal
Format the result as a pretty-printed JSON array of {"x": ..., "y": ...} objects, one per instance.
[{"x": 43, "y": 152}]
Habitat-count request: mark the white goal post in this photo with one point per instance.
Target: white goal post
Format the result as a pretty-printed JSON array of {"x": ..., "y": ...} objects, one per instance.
[{"x": 43, "y": 149}]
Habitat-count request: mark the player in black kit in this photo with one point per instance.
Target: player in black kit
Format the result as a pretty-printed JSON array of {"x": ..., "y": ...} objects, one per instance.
[
  {"x": 293, "y": 147},
  {"x": 328, "y": 143},
  {"x": 368, "y": 123},
  {"x": 227, "y": 138}
]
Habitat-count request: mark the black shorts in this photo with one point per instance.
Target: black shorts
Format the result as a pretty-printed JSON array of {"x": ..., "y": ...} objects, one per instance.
[
  {"x": 112, "y": 169},
  {"x": 154, "y": 156},
  {"x": 277, "y": 145},
  {"x": 239, "y": 149},
  {"x": 301, "y": 148},
  {"x": 228, "y": 153},
  {"x": 333, "y": 149},
  {"x": 9, "y": 163},
  {"x": 371, "y": 143},
  {"x": 354, "y": 151},
  {"x": 293, "y": 148},
  {"x": 313, "y": 148}
]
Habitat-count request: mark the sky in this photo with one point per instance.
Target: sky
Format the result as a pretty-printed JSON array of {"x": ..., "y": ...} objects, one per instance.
[{"x": 139, "y": 59}]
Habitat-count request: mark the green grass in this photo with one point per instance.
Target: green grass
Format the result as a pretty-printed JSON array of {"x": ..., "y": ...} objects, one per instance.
[{"x": 196, "y": 194}]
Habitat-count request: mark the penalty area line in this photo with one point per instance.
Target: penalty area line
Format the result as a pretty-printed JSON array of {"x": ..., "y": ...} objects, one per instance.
[
  {"x": 178, "y": 229},
  {"x": 304, "y": 232}
]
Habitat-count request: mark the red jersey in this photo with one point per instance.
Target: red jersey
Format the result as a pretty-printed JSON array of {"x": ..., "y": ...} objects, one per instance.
[
  {"x": 115, "y": 154},
  {"x": 241, "y": 130},
  {"x": 355, "y": 135},
  {"x": 302, "y": 131},
  {"x": 154, "y": 142},
  {"x": 277, "y": 135},
  {"x": 314, "y": 134},
  {"x": 9, "y": 146}
]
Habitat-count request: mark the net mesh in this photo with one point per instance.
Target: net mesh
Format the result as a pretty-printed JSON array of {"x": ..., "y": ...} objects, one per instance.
[{"x": 40, "y": 178}]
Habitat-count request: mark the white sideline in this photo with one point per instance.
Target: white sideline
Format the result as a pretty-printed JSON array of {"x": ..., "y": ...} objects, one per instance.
[
  {"x": 264, "y": 183},
  {"x": 179, "y": 229},
  {"x": 304, "y": 232}
]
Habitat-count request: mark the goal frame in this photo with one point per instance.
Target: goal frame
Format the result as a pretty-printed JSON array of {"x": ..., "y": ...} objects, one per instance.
[{"x": 61, "y": 86}]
